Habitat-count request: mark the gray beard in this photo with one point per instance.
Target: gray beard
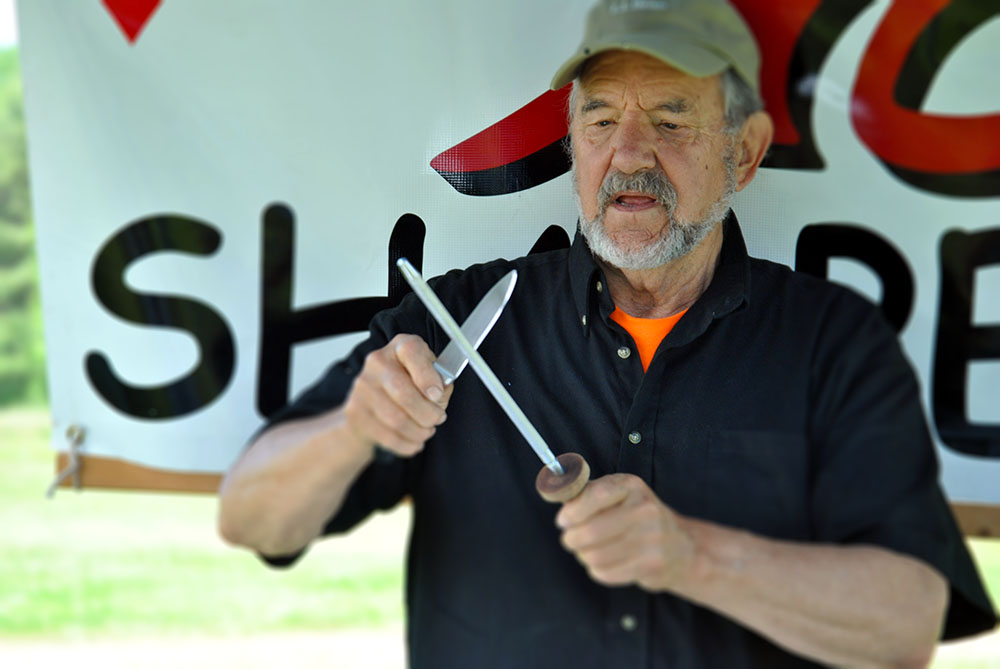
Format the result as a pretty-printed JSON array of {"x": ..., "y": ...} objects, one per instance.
[{"x": 680, "y": 238}]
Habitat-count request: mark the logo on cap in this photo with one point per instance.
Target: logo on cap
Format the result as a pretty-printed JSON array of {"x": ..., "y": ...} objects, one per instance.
[{"x": 616, "y": 7}]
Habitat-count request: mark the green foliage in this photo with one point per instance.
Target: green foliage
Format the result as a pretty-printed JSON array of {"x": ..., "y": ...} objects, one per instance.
[
  {"x": 21, "y": 352},
  {"x": 15, "y": 242}
]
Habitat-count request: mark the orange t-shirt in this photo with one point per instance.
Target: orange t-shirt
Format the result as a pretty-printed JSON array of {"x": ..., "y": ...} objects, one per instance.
[{"x": 647, "y": 332}]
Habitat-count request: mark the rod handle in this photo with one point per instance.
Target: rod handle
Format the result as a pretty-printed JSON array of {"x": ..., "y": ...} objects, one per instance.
[{"x": 559, "y": 489}]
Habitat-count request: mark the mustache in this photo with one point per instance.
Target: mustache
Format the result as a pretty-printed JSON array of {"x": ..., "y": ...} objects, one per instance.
[{"x": 652, "y": 183}]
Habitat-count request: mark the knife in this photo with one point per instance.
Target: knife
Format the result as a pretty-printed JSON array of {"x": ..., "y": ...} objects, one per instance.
[
  {"x": 452, "y": 360},
  {"x": 483, "y": 371}
]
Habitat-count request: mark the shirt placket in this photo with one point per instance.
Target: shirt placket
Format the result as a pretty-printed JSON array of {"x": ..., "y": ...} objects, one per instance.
[{"x": 628, "y": 617}]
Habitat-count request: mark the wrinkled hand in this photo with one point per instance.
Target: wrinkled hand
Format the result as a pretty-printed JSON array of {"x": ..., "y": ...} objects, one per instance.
[
  {"x": 398, "y": 400},
  {"x": 623, "y": 534}
]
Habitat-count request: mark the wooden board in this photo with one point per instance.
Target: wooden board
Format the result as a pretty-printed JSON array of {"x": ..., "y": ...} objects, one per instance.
[
  {"x": 98, "y": 472},
  {"x": 977, "y": 520}
]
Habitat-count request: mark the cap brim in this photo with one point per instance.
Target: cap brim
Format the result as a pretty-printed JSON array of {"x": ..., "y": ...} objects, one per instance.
[{"x": 676, "y": 50}]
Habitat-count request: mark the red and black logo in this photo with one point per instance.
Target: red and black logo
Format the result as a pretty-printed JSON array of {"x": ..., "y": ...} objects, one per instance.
[{"x": 946, "y": 154}]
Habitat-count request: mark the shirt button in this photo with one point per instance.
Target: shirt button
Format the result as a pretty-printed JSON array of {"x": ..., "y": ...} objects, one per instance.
[
  {"x": 634, "y": 437},
  {"x": 583, "y": 319},
  {"x": 600, "y": 287},
  {"x": 624, "y": 352},
  {"x": 628, "y": 623}
]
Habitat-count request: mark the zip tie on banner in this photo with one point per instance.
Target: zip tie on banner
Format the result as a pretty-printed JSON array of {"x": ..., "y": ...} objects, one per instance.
[{"x": 75, "y": 435}]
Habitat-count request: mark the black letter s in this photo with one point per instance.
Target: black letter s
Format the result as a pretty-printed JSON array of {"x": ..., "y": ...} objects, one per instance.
[{"x": 215, "y": 341}]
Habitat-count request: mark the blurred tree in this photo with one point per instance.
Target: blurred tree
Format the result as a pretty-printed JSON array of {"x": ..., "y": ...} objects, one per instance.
[{"x": 21, "y": 351}]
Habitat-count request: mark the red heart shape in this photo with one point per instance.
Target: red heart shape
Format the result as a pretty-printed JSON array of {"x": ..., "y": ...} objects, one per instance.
[{"x": 131, "y": 15}]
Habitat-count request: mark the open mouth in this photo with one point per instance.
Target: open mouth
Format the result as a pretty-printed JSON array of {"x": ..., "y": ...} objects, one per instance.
[{"x": 633, "y": 201}]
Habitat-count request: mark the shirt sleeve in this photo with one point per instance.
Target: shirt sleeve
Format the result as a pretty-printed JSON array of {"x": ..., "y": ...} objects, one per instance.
[{"x": 875, "y": 470}]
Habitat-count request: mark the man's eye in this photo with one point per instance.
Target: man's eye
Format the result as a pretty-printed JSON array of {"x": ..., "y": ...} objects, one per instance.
[
  {"x": 669, "y": 126},
  {"x": 603, "y": 124}
]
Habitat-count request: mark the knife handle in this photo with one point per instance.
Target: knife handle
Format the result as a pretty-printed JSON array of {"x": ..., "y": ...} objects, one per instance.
[{"x": 560, "y": 489}]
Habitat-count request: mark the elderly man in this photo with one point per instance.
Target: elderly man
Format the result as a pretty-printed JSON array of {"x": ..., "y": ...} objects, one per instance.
[{"x": 764, "y": 489}]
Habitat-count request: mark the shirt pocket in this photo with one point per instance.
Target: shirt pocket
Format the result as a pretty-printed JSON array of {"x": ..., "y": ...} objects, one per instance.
[{"x": 758, "y": 480}]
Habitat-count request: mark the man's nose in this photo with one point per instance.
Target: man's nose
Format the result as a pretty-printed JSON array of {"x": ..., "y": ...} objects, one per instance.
[{"x": 634, "y": 144}]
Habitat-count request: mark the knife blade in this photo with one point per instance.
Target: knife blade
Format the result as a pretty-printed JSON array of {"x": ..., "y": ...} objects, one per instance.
[
  {"x": 483, "y": 371},
  {"x": 452, "y": 360}
]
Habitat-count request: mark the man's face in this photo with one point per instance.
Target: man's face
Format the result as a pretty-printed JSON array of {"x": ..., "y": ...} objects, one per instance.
[{"x": 653, "y": 164}]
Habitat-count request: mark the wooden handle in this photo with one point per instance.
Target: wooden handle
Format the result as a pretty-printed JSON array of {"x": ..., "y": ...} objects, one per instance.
[{"x": 555, "y": 488}]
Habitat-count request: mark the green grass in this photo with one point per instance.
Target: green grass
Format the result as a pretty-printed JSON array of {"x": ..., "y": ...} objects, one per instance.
[
  {"x": 119, "y": 564},
  {"x": 987, "y": 553},
  {"x": 101, "y": 564}
]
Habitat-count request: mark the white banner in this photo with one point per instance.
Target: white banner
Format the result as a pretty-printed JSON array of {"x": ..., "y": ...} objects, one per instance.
[{"x": 220, "y": 189}]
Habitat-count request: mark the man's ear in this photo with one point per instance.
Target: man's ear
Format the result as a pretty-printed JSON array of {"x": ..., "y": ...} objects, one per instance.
[{"x": 752, "y": 143}]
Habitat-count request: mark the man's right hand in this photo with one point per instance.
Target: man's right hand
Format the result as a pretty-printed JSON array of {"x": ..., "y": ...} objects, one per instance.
[
  {"x": 399, "y": 399},
  {"x": 279, "y": 494}
]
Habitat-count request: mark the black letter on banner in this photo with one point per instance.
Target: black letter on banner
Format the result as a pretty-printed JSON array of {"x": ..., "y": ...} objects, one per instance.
[
  {"x": 282, "y": 326},
  {"x": 215, "y": 341},
  {"x": 818, "y": 243},
  {"x": 959, "y": 341}
]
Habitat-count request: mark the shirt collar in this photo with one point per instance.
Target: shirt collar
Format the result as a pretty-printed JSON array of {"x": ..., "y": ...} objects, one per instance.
[{"x": 730, "y": 286}]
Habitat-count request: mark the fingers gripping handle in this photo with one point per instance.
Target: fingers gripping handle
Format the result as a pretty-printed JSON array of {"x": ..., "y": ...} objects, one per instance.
[{"x": 559, "y": 489}]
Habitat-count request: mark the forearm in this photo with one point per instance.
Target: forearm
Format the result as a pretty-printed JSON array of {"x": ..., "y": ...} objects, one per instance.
[
  {"x": 843, "y": 605},
  {"x": 291, "y": 480}
]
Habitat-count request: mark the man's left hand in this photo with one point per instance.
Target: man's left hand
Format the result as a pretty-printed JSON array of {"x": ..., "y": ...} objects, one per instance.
[{"x": 623, "y": 534}]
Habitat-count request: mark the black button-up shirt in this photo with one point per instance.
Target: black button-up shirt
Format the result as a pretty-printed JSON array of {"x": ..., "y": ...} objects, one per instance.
[{"x": 779, "y": 403}]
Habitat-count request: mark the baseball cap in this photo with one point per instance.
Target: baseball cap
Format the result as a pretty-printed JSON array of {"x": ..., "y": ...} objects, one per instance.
[{"x": 700, "y": 37}]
